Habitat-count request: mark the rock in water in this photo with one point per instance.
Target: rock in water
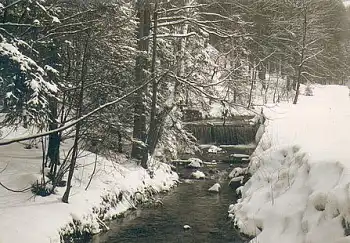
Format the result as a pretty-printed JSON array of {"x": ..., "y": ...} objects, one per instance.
[
  {"x": 231, "y": 207},
  {"x": 214, "y": 149},
  {"x": 238, "y": 171},
  {"x": 187, "y": 227},
  {"x": 236, "y": 182},
  {"x": 215, "y": 188},
  {"x": 198, "y": 175},
  {"x": 195, "y": 163}
]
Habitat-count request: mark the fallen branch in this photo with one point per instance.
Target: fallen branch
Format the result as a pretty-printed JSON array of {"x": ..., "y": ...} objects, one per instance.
[{"x": 13, "y": 190}]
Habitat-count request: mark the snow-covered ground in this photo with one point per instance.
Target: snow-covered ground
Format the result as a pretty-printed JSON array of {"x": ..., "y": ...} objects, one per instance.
[
  {"x": 115, "y": 188},
  {"x": 300, "y": 188}
]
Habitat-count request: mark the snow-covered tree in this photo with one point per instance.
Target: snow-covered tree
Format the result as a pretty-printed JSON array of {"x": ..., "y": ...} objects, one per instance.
[{"x": 27, "y": 85}]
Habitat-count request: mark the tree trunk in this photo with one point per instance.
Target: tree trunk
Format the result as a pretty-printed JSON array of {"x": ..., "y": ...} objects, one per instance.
[
  {"x": 152, "y": 138},
  {"x": 53, "y": 150},
  {"x": 262, "y": 74},
  {"x": 139, "y": 128},
  {"x": 84, "y": 71},
  {"x": 300, "y": 66}
]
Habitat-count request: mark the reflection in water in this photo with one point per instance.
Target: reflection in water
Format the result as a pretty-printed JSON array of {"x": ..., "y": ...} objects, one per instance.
[{"x": 189, "y": 203}]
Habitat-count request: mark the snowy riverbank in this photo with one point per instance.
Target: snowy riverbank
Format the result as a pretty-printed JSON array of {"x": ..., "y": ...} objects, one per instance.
[
  {"x": 299, "y": 191},
  {"x": 115, "y": 188}
]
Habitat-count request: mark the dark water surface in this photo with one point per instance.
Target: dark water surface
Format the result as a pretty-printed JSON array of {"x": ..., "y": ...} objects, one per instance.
[{"x": 189, "y": 203}]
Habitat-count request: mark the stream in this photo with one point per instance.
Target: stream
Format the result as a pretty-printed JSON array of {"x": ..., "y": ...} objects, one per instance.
[{"x": 189, "y": 203}]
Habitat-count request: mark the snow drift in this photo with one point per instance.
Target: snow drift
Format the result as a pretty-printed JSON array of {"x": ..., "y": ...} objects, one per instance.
[{"x": 300, "y": 185}]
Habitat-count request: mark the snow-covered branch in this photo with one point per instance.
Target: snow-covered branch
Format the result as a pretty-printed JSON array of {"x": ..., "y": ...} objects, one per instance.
[
  {"x": 74, "y": 122},
  {"x": 176, "y": 35}
]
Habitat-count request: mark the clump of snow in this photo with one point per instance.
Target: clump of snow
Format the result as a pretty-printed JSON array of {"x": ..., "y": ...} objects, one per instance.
[
  {"x": 215, "y": 188},
  {"x": 55, "y": 20},
  {"x": 299, "y": 189},
  {"x": 36, "y": 22},
  {"x": 195, "y": 163},
  {"x": 198, "y": 175},
  {"x": 48, "y": 68},
  {"x": 214, "y": 149}
]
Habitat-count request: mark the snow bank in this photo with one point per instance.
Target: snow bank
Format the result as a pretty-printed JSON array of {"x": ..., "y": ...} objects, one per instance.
[
  {"x": 115, "y": 188},
  {"x": 300, "y": 188}
]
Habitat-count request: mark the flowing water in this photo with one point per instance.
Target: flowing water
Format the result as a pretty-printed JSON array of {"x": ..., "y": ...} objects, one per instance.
[{"x": 190, "y": 203}]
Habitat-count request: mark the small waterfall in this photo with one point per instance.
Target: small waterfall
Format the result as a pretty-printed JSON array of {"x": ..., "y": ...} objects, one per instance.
[{"x": 216, "y": 132}]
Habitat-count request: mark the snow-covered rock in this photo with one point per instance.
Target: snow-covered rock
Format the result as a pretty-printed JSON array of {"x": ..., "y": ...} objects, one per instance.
[
  {"x": 230, "y": 208},
  {"x": 215, "y": 188},
  {"x": 195, "y": 163},
  {"x": 187, "y": 227},
  {"x": 236, "y": 181},
  {"x": 198, "y": 175},
  {"x": 214, "y": 149},
  {"x": 299, "y": 189},
  {"x": 239, "y": 190},
  {"x": 237, "y": 172}
]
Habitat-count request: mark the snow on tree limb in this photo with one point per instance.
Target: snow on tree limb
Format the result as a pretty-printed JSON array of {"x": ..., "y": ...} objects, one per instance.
[
  {"x": 27, "y": 84},
  {"x": 74, "y": 122}
]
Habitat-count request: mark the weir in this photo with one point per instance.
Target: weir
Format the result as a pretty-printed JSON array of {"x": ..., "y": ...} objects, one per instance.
[
  {"x": 234, "y": 136},
  {"x": 237, "y": 130}
]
